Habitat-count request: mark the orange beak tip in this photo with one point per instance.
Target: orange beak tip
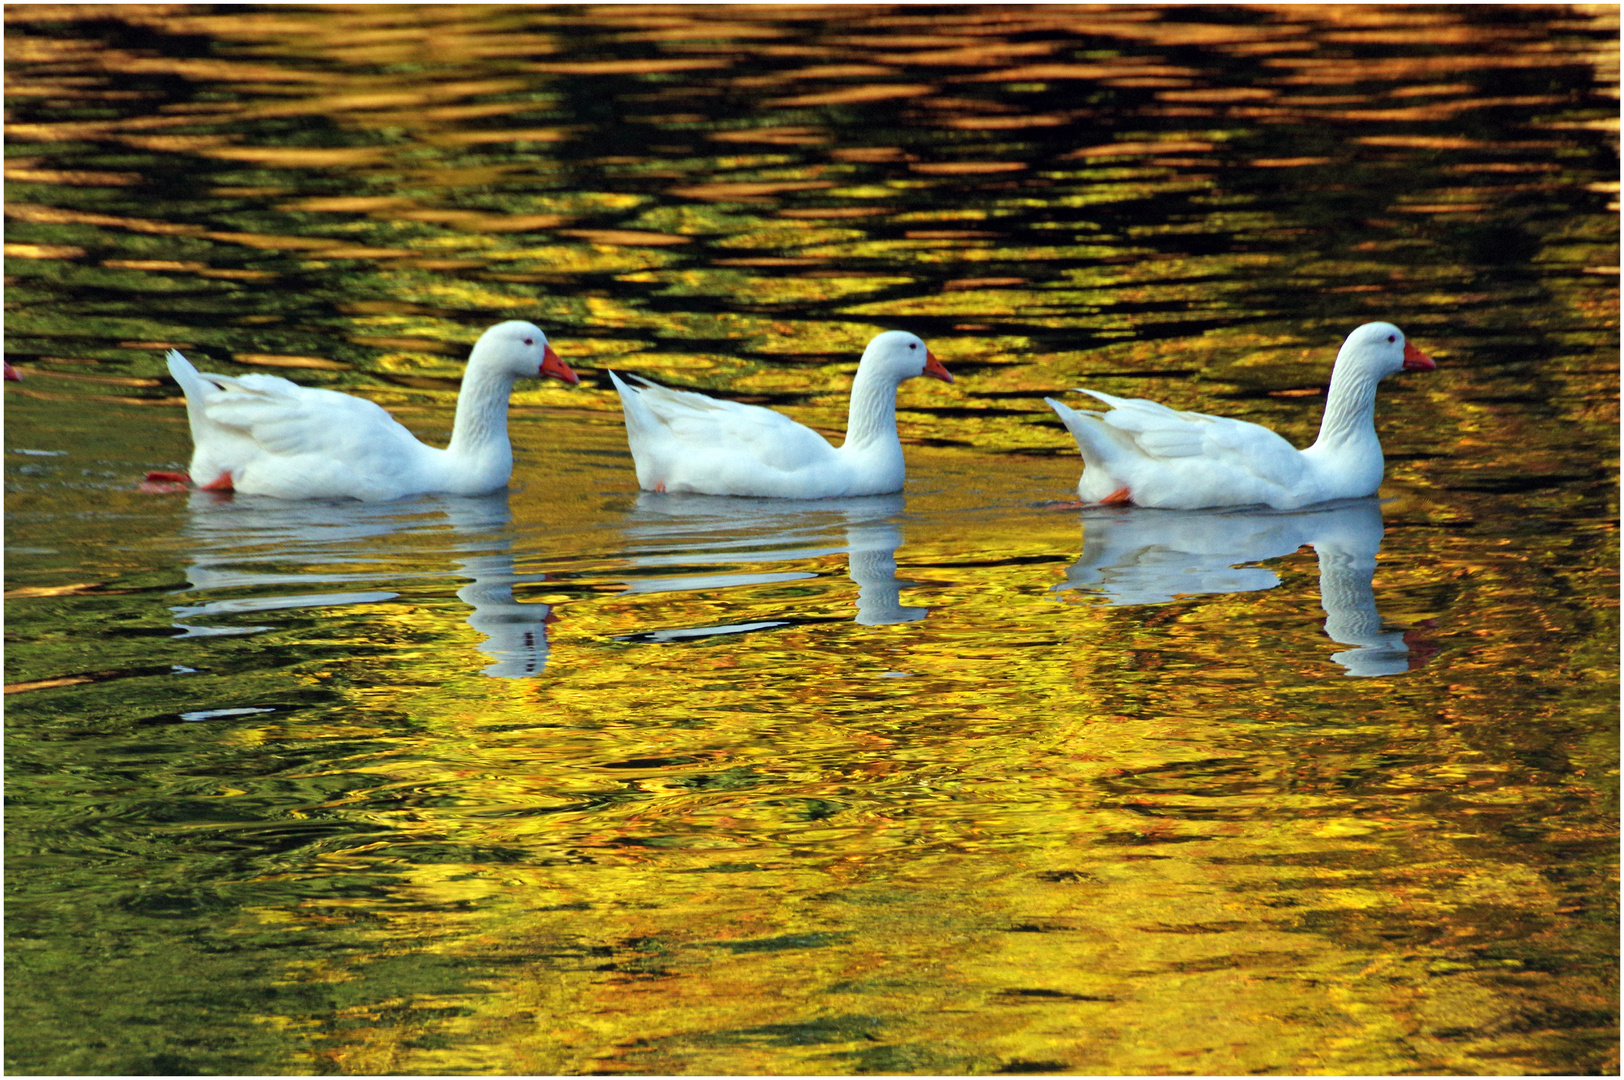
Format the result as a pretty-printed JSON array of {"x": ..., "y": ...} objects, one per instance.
[
  {"x": 552, "y": 365},
  {"x": 1416, "y": 360},
  {"x": 934, "y": 368}
]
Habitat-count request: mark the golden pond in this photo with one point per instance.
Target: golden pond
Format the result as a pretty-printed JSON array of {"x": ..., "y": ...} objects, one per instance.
[{"x": 574, "y": 779}]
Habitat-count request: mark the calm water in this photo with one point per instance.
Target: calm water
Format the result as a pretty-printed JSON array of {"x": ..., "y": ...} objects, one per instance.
[{"x": 574, "y": 779}]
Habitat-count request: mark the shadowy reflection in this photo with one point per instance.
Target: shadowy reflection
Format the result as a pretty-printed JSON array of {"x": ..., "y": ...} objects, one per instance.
[
  {"x": 256, "y": 549},
  {"x": 1138, "y": 556},
  {"x": 684, "y": 531}
]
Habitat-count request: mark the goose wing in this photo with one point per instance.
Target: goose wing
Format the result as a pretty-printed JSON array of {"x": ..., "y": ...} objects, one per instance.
[
  {"x": 1161, "y": 433},
  {"x": 701, "y": 424},
  {"x": 286, "y": 419}
]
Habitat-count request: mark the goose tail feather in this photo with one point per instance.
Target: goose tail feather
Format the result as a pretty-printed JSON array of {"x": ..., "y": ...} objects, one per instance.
[{"x": 1099, "y": 443}]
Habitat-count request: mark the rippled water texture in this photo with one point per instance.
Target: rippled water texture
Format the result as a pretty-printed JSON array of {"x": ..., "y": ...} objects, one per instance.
[{"x": 575, "y": 779}]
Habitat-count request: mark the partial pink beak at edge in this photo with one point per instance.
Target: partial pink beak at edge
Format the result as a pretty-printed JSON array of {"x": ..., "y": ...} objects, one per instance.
[
  {"x": 552, "y": 365},
  {"x": 934, "y": 368},
  {"x": 1416, "y": 360}
]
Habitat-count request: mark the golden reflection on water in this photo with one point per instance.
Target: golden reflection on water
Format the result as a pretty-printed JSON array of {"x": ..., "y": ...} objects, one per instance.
[
  {"x": 703, "y": 827},
  {"x": 958, "y": 785}
]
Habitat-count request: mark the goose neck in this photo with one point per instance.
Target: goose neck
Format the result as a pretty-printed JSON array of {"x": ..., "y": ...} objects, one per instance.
[
  {"x": 1350, "y": 407},
  {"x": 873, "y": 416},
  {"x": 480, "y": 428}
]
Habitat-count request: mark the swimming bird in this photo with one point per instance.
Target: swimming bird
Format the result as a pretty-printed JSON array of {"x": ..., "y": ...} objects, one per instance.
[
  {"x": 263, "y": 435},
  {"x": 1145, "y": 453},
  {"x": 683, "y": 441}
]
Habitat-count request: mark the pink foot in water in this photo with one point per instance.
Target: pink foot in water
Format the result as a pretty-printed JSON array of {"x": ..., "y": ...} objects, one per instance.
[
  {"x": 1422, "y": 648},
  {"x": 1119, "y": 497},
  {"x": 165, "y": 483}
]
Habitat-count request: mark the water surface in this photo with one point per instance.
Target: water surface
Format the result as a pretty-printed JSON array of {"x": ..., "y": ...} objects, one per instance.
[{"x": 579, "y": 779}]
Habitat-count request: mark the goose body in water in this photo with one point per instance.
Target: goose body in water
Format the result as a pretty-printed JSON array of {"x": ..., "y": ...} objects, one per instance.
[
  {"x": 263, "y": 435},
  {"x": 688, "y": 442},
  {"x": 1147, "y": 454}
]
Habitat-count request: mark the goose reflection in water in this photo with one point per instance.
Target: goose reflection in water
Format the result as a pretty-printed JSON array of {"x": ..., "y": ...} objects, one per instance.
[
  {"x": 670, "y": 531},
  {"x": 1138, "y": 556},
  {"x": 244, "y": 545}
]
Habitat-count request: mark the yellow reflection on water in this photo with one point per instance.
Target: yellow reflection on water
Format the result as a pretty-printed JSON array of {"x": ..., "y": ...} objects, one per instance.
[{"x": 890, "y": 850}]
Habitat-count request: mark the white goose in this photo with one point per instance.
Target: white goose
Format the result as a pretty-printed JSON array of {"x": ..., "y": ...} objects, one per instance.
[
  {"x": 682, "y": 441},
  {"x": 264, "y": 435},
  {"x": 1144, "y": 453}
]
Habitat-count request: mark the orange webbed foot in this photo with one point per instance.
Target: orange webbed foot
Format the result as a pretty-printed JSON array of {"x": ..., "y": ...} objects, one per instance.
[{"x": 163, "y": 482}]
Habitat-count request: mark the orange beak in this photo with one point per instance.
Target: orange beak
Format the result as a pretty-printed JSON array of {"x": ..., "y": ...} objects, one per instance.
[
  {"x": 934, "y": 368},
  {"x": 552, "y": 365},
  {"x": 1416, "y": 360}
]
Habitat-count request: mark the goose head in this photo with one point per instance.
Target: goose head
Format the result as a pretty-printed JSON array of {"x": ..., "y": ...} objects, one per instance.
[
  {"x": 521, "y": 349},
  {"x": 1381, "y": 347},
  {"x": 902, "y": 355}
]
